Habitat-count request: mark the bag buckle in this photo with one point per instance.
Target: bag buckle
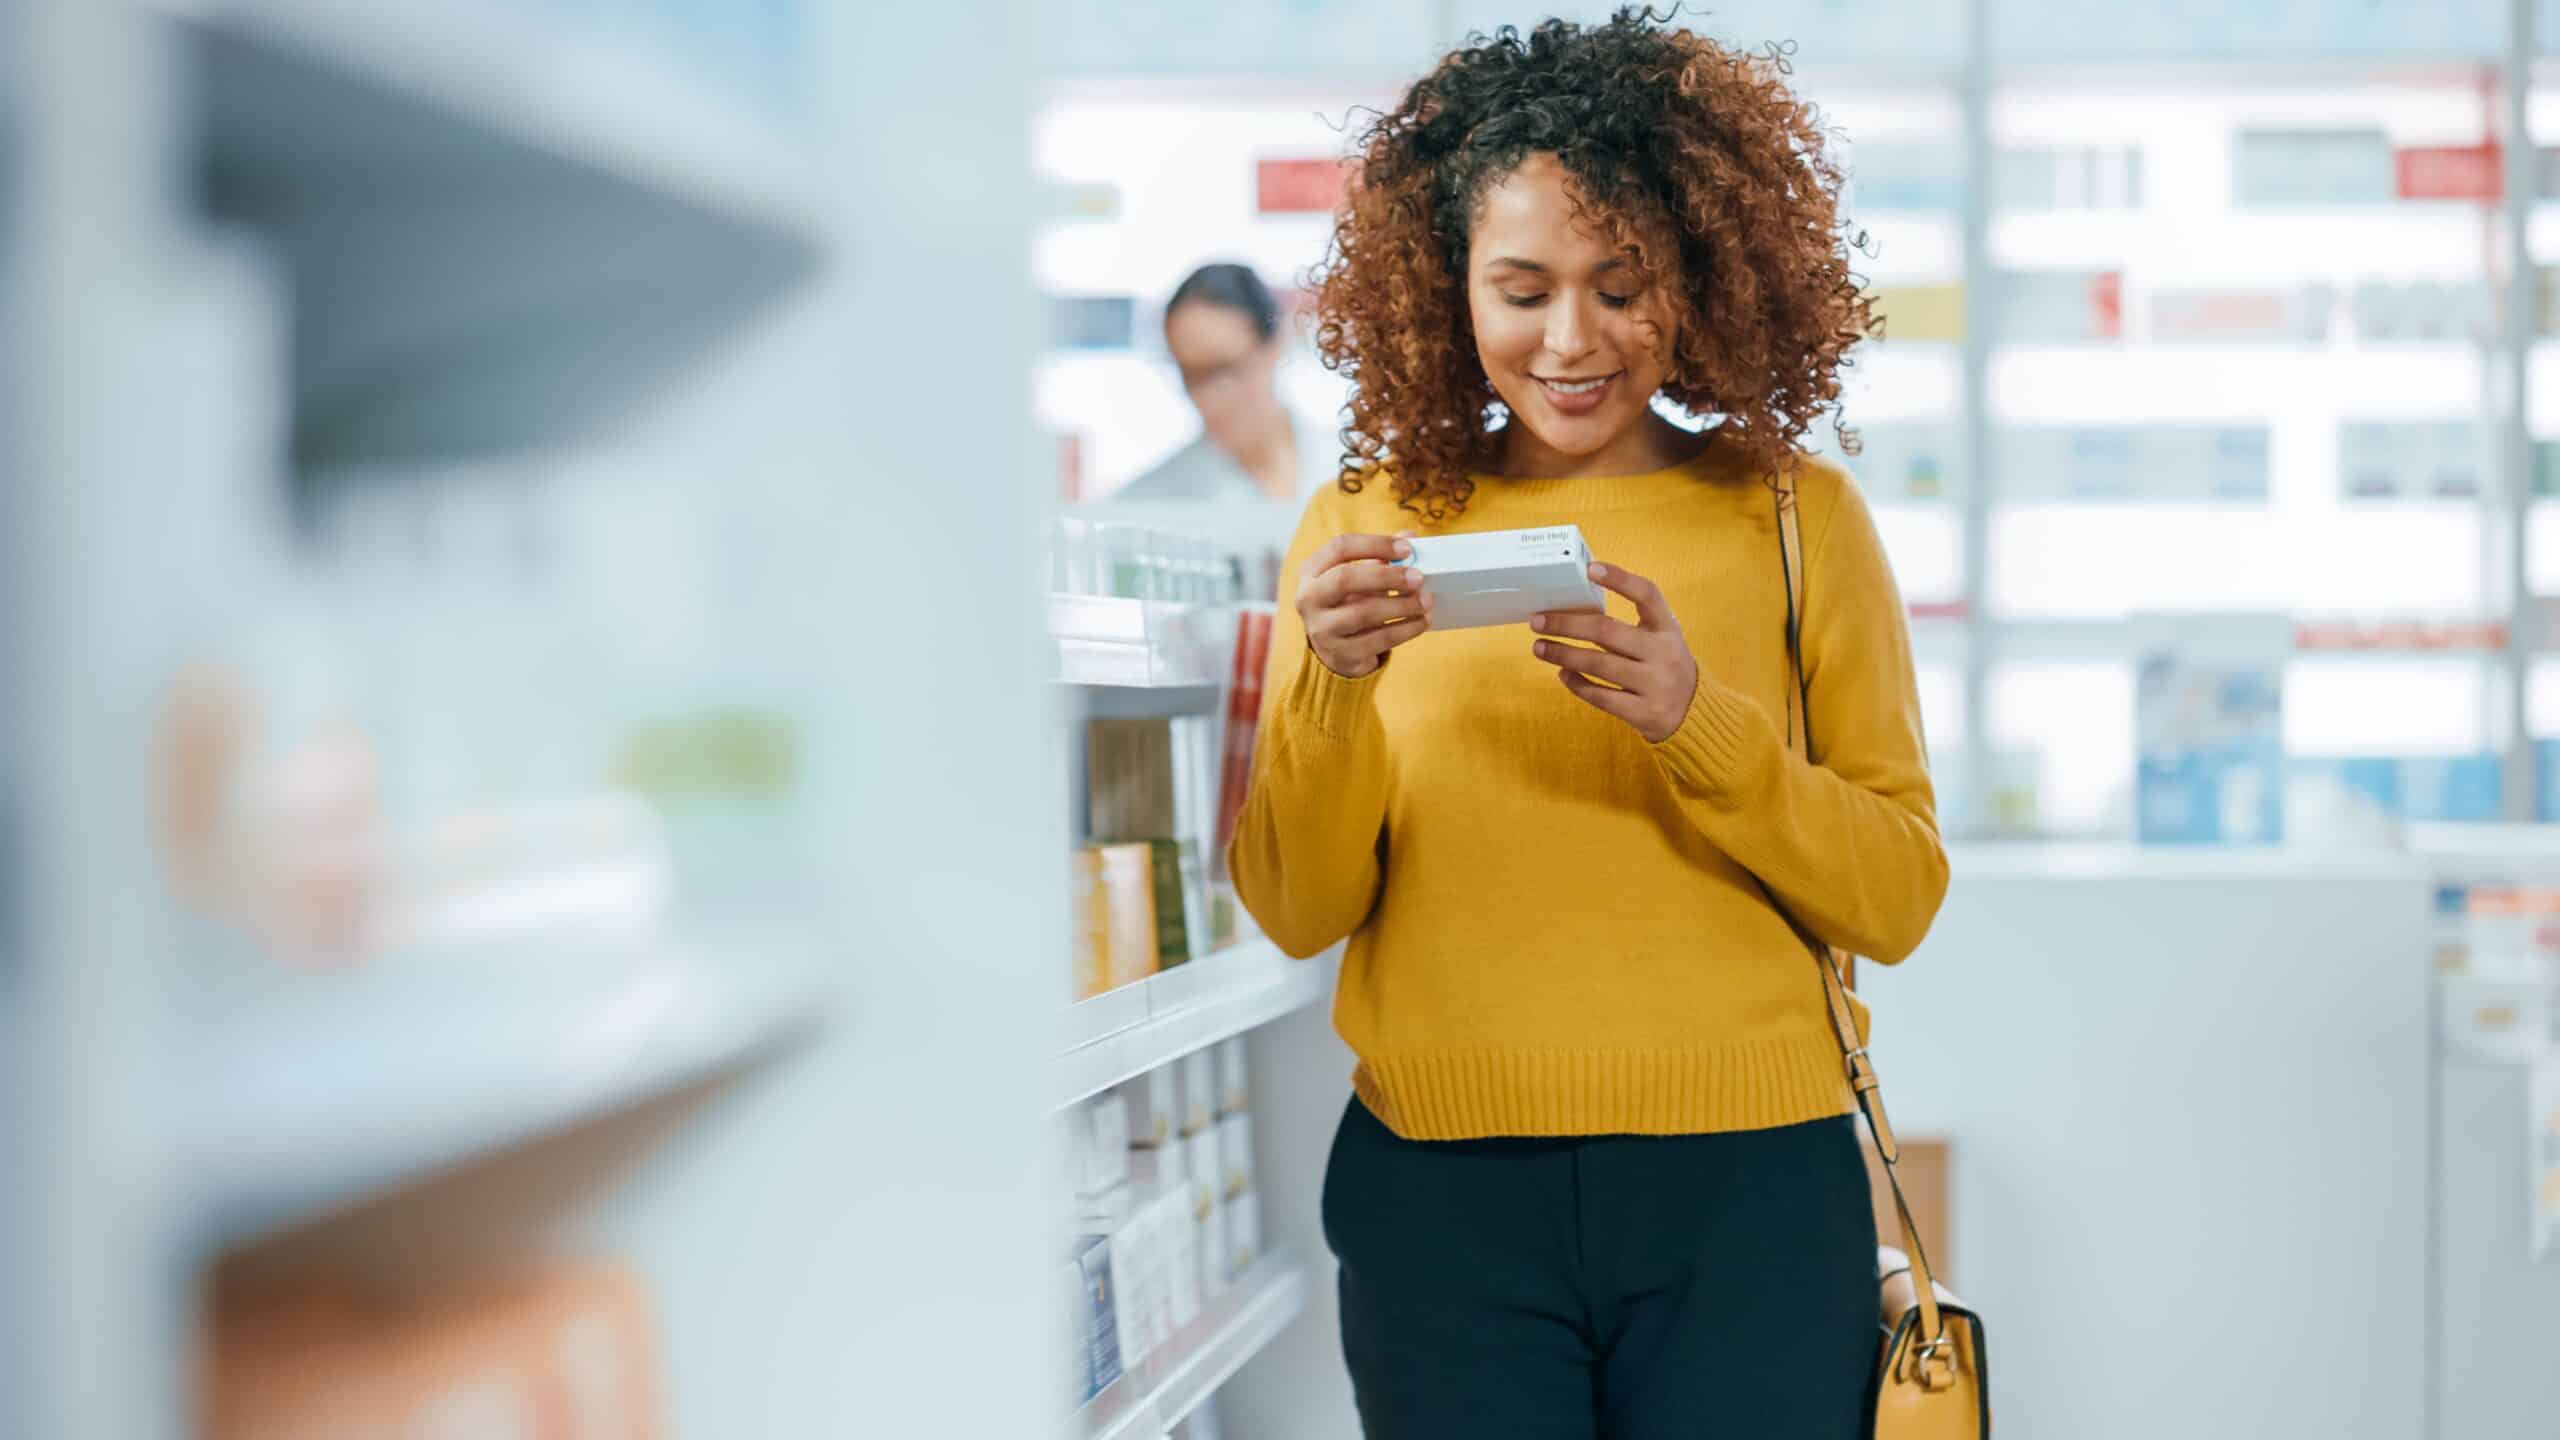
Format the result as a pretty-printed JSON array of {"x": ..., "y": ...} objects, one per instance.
[{"x": 1933, "y": 1363}]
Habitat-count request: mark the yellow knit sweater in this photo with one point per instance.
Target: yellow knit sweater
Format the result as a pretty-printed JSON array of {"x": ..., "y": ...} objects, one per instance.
[{"x": 1554, "y": 926}]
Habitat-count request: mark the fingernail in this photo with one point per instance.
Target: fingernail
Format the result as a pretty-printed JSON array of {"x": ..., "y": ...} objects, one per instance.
[
  {"x": 1541, "y": 647},
  {"x": 1427, "y": 602},
  {"x": 1599, "y": 571},
  {"x": 1538, "y": 623},
  {"x": 1403, "y": 550}
]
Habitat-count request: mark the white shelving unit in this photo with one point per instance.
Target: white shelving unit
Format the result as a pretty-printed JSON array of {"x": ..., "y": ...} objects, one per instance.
[
  {"x": 1231, "y": 1330},
  {"x": 532, "y": 262},
  {"x": 1109, "y": 643},
  {"x": 514, "y": 226},
  {"x": 281, "y": 1099},
  {"x": 1129, "y": 1031}
]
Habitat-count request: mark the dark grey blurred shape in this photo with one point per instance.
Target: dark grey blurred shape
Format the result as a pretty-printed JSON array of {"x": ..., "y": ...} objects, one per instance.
[{"x": 459, "y": 289}]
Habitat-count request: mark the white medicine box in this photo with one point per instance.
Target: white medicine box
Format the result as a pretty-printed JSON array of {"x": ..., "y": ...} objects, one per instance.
[
  {"x": 1107, "y": 1159},
  {"x": 1503, "y": 577},
  {"x": 1207, "y": 1171},
  {"x": 1199, "y": 1091},
  {"x": 1234, "y": 1091},
  {"x": 1235, "y": 1155},
  {"x": 1244, "y": 1231},
  {"x": 1155, "y": 1111},
  {"x": 2497, "y": 1021}
]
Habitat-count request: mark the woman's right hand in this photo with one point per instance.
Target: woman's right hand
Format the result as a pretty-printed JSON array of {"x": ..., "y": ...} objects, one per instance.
[{"x": 1358, "y": 603}]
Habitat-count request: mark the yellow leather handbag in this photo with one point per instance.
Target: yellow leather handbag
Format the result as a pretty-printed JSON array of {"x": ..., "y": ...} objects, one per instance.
[{"x": 1932, "y": 1380}]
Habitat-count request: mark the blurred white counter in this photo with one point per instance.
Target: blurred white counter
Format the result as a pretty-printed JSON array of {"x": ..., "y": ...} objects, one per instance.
[{"x": 2196, "y": 1107}]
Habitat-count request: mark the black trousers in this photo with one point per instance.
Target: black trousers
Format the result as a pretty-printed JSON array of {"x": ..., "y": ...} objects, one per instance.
[{"x": 1692, "y": 1287}]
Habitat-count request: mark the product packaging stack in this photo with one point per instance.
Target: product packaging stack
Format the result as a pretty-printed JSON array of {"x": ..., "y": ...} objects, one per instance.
[
  {"x": 1166, "y": 1211},
  {"x": 1161, "y": 798}
]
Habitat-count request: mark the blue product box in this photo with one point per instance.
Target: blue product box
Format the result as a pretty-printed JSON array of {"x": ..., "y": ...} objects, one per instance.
[{"x": 1101, "y": 1328}]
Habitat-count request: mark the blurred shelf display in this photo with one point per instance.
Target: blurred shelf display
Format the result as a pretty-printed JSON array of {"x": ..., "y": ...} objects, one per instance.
[
  {"x": 1111, "y": 642},
  {"x": 574, "y": 219},
  {"x": 308, "y": 1094},
  {"x": 1145, "y": 1403},
  {"x": 1135, "y": 1028},
  {"x": 2126, "y": 637}
]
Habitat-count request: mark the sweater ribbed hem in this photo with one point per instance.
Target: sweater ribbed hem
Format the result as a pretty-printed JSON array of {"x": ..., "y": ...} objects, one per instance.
[
  {"x": 1331, "y": 704},
  {"x": 1757, "y": 1086},
  {"x": 1707, "y": 753}
]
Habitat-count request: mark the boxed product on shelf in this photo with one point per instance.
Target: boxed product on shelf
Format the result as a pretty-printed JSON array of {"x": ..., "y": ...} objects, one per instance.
[
  {"x": 2209, "y": 724},
  {"x": 1235, "y": 1089},
  {"x": 1244, "y": 713},
  {"x": 2495, "y": 1021},
  {"x": 1199, "y": 1091},
  {"x": 1904, "y": 461},
  {"x": 2118, "y": 462},
  {"x": 1078, "y": 1318},
  {"x": 2410, "y": 460},
  {"x": 1178, "y": 1228},
  {"x": 1244, "y": 1231},
  {"x": 1215, "y": 1267},
  {"x": 1097, "y": 1147},
  {"x": 2069, "y": 177},
  {"x": 1116, "y": 936},
  {"x": 2242, "y": 315},
  {"x": 2369, "y": 794},
  {"x": 1100, "y": 1325},
  {"x": 1920, "y": 312},
  {"x": 2406, "y": 310},
  {"x": 558, "y": 1351},
  {"x": 1146, "y": 780},
  {"x": 2311, "y": 167},
  {"x": 1110, "y": 1150},
  {"x": 1136, "y": 1285},
  {"x": 1206, "y": 1165},
  {"x": 1885, "y": 175},
  {"x": 1235, "y": 1154},
  {"x": 2064, "y": 307},
  {"x": 1154, "y": 1103}
]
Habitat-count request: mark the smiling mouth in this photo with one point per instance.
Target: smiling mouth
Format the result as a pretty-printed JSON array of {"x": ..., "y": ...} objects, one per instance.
[{"x": 1574, "y": 387}]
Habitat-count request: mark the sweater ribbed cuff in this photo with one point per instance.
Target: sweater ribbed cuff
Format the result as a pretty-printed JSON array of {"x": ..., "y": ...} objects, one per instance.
[
  {"x": 1329, "y": 704},
  {"x": 1717, "y": 740}
]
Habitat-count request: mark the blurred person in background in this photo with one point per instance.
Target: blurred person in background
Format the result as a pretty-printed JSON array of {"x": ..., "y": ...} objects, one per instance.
[
  {"x": 1599, "y": 1176},
  {"x": 1223, "y": 329}
]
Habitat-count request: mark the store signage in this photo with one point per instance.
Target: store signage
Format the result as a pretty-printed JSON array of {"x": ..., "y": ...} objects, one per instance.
[{"x": 2448, "y": 172}]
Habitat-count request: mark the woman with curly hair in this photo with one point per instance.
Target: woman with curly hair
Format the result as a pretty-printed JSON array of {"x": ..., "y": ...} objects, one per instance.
[{"x": 1598, "y": 1177}]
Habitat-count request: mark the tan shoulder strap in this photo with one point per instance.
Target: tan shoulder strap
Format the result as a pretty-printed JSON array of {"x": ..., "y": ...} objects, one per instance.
[{"x": 1835, "y": 993}]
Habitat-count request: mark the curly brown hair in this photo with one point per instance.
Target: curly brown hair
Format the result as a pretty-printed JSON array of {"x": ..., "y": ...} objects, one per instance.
[{"x": 1696, "y": 160}]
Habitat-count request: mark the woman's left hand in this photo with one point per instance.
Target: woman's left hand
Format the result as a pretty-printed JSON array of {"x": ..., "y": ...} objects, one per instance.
[{"x": 1649, "y": 673}]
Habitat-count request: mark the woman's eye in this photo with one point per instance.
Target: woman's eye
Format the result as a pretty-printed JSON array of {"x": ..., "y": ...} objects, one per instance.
[
  {"x": 1523, "y": 301},
  {"x": 1616, "y": 302}
]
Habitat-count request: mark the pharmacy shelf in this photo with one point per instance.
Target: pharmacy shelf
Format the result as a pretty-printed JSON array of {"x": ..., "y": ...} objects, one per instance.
[
  {"x": 1231, "y": 1330},
  {"x": 1109, "y": 642},
  {"x": 502, "y": 226},
  {"x": 300, "y": 1097},
  {"x": 1134, "y": 1029}
]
